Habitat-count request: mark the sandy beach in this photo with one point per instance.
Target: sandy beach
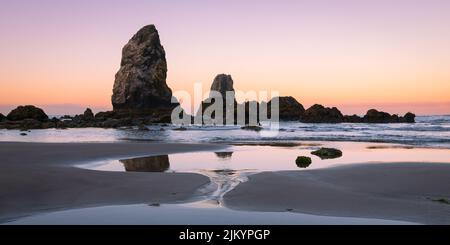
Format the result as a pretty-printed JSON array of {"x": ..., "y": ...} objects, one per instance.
[
  {"x": 40, "y": 177},
  {"x": 393, "y": 191}
]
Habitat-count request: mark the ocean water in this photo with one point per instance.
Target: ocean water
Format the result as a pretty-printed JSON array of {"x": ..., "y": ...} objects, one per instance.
[{"x": 429, "y": 131}]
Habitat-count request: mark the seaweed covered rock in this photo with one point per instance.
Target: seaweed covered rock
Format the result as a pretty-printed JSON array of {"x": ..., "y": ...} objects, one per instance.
[
  {"x": 27, "y": 112},
  {"x": 374, "y": 116},
  {"x": 327, "y": 153},
  {"x": 303, "y": 161}
]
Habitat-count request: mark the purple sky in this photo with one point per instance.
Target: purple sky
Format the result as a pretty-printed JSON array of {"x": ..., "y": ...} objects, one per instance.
[{"x": 390, "y": 54}]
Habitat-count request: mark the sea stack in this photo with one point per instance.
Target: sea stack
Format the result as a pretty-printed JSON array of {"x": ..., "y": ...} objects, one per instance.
[
  {"x": 140, "y": 84},
  {"x": 222, "y": 84}
]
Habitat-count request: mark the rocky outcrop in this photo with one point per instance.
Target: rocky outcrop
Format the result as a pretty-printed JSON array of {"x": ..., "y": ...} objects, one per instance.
[
  {"x": 409, "y": 118},
  {"x": 320, "y": 114},
  {"x": 140, "y": 84},
  {"x": 374, "y": 116},
  {"x": 27, "y": 112},
  {"x": 88, "y": 114},
  {"x": 2, "y": 117},
  {"x": 289, "y": 109}
]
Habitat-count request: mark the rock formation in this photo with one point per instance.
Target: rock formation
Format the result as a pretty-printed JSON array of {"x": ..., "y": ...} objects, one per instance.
[
  {"x": 88, "y": 114},
  {"x": 374, "y": 116},
  {"x": 2, "y": 117},
  {"x": 140, "y": 84},
  {"x": 320, "y": 114},
  {"x": 27, "y": 112},
  {"x": 289, "y": 109},
  {"x": 222, "y": 84}
]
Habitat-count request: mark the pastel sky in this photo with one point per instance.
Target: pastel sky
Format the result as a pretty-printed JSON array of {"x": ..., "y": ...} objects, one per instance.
[{"x": 391, "y": 55}]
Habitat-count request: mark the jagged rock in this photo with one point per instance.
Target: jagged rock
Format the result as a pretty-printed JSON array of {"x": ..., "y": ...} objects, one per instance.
[
  {"x": 303, "y": 162},
  {"x": 88, "y": 114},
  {"x": 140, "y": 83},
  {"x": 27, "y": 112},
  {"x": 320, "y": 114},
  {"x": 289, "y": 109},
  {"x": 2, "y": 117},
  {"x": 327, "y": 153},
  {"x": 409, "y": 118},
  {"x": 222, "y": 83}
]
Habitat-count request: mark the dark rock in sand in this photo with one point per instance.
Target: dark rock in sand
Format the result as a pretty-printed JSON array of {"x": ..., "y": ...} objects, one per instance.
[
  {"x": 252, "y": 128},
  {"x": 140, "y": 83},
  {"x": 147, "y": 164},
  {"x": 327, "y": 153},
  {"x": 320, "y": 114},
  {"x": 27, "y": 112},
  {"x": 303, "y": 162},
  {"x": 289, "y": 109},
  {"x": 222, "y": 84},
  {"x": 23, "y": 134}
]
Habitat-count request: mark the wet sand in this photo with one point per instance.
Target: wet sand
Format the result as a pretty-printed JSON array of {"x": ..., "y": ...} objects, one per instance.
[
  {"x": 39, "y": 177},
  {"x": 393, "y": 191}
]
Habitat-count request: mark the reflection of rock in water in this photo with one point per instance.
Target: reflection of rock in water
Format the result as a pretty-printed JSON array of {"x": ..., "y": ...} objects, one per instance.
[
  {"x": 224, "y": 155},
  {"x": 147, "y": 164}
]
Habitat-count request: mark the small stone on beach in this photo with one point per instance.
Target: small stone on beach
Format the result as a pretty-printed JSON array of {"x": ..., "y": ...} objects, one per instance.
[{"x": 303, "y": 162}]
